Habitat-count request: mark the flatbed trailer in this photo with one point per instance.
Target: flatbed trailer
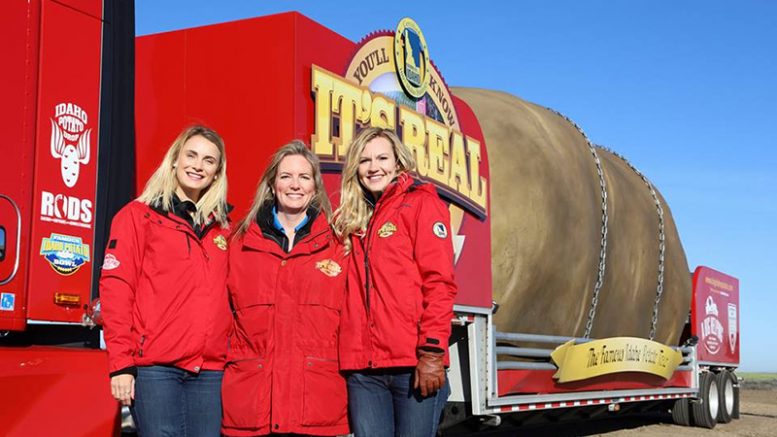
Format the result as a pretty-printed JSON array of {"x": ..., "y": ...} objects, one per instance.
[{"x": 495, "y": 376}]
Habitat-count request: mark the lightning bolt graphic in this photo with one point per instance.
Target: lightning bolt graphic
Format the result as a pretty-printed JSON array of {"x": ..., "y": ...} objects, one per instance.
[{"x": 457, "y": 216}]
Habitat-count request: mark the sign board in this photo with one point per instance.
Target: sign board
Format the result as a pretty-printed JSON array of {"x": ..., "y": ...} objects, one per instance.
[{"x": 715, "y": 316}]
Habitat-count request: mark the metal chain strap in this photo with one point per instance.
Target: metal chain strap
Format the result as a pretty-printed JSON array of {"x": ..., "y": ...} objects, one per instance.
[
  {"x": 603, "y": 241},
  {"x": 661, "y": 241}
]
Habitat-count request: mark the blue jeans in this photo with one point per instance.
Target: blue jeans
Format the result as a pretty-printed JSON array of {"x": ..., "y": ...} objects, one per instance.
[
  {"x": 383, "y": 404},
  {"x": 173, "y": 402}
]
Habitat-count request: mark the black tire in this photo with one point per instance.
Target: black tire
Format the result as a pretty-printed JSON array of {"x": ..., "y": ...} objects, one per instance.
[
  {"x": 735, "y": 411},
  {"x": 681, "y": 412},
  {"x": 726, "y": 382},
  {"x": 704, "y": 411}
]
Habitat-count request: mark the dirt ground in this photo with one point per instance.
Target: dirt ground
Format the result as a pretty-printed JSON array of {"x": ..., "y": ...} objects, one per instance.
[{"x": 758, "y": 418}]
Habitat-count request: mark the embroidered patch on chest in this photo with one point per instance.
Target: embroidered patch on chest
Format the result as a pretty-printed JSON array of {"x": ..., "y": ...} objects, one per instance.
[
  {"x": 387, "y": 230},
  {"x": 329, "y": 267},
  {"x": 220, "y": 242},
  {"x": 440, "y": 230}
]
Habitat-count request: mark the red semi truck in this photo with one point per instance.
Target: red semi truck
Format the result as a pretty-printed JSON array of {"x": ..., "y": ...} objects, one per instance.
[{"x": 91, "y": 110}]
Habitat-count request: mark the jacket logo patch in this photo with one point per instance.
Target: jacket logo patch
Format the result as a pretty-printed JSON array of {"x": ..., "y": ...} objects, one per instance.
[
  {"x": 220, "y": 242},
  {"x": 387, "y": 230},
  {"x": 440, "y": 230},
  {"x": 329, "y": 267},
  {"x": 111, "y": 262}
]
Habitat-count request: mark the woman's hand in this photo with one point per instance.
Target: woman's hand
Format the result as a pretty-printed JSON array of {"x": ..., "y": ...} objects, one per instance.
[
  {"x": 123, "y": 388},
  {"x": 429, "y": 373}
]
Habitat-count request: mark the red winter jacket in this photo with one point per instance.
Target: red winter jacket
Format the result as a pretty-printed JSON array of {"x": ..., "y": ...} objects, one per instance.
[
  {"x": 400, "y": 281},
  {"x": 163, "y": 292},
  {"x": 282, "y": 375}
]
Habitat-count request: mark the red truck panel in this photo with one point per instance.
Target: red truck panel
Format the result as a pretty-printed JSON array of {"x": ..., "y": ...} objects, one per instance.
[
  {"x": 66, "y": 143},
  {"x": 715, "y": 316},
  {"x": 542, "y": 382},
  {"x": 239, "y": 78},
  {"x": 18, "y": 86},
  {"x": 56, "y": 391}
]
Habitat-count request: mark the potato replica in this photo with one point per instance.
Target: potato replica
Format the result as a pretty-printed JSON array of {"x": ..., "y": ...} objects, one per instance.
[{"x": 547, "y": 231}]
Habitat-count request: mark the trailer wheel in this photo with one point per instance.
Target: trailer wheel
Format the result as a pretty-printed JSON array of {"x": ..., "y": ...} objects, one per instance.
[
  {"x": 705, "y": 409},
  {"x": 728, "y": 396},
  {"x": 680, "y": 412},
  {"x": 735, "y": 411}
]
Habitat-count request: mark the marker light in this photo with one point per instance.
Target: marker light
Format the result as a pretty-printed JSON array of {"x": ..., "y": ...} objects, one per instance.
[{"x": 67, "y": 299}]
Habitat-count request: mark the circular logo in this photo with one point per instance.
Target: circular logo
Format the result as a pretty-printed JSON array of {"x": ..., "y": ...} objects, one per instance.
[
  {"x": 440, "y": 230},
  {"x": 411, "y": 58}
]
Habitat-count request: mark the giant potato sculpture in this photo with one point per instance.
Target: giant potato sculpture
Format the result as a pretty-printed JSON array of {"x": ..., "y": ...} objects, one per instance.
[{"x": 546, "y": 231}]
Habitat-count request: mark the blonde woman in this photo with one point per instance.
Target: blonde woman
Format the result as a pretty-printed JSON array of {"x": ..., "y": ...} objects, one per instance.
[
  {"x": 163, "y": 292},
  {"x": 397, "y": 318},
  {"x": 286, "y": 282}
]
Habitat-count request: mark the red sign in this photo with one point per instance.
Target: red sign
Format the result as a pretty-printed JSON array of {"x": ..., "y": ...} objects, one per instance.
[
  {"x": 285, "y": 77},
  {"x": 715, "y": 316}
]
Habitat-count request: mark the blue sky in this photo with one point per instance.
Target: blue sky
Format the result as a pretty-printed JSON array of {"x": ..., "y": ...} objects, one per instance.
[{"x": 687, "y": 91}]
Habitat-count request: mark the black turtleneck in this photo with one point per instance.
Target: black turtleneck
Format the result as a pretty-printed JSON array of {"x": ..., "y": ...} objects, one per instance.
[{"x": 184, "y": 209}]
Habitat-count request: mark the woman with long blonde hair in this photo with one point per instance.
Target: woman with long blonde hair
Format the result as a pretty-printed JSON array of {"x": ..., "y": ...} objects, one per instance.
[
  {"x": 287, "y": 283},
  {"x": 163, "y": 292},
  {"x": 399, "y": 303}
]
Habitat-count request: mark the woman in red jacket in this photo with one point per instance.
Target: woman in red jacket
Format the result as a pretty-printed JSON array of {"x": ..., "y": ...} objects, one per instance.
[
  {"x": 397, "y": 317},
  {"x": 287, "y": 282},
  {"x": 163, "y": 292}
]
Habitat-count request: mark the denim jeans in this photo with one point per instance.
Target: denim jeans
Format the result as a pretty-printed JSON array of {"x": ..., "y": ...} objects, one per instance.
[
  {"x": 173, "y": 402},
  {"x": 383, "y": 404}
]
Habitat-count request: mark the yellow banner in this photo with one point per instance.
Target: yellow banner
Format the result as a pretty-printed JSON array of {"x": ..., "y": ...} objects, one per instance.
[{"x": 614, "y": 355}]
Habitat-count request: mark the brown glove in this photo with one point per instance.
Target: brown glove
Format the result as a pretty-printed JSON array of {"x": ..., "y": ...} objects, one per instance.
[{"x": 429, "y": 373}]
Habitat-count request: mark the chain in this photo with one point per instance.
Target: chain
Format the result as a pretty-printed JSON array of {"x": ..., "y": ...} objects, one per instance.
[
  {"x": 603, "y": 240},
  {"x": 661, "y": 242}
]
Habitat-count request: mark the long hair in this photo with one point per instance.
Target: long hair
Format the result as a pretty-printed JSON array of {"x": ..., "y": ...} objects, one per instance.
[
  {"x": 161, "y": 186},
  {"x": 354, "y": 212},
  {"x": 264, "y": 192}
]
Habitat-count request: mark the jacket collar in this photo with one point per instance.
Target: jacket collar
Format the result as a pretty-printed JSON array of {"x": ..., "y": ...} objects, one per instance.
[
  {"x": 180, "y": 213},
  {"x": 262, "y": 235},
  {"x": 399, "y": 185}
]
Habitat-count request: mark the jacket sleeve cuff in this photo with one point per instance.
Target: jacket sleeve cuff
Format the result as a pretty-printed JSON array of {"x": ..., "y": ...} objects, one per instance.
[
  {"x": 132, "y": 370},
  {"x": 431, "y": 344}
]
